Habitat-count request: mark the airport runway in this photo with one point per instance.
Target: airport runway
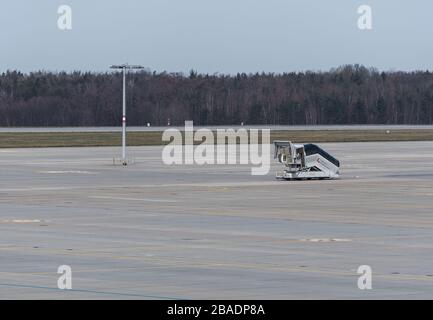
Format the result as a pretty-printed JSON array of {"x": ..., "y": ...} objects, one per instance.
[
  {"x": 151, "y": 231},
  {"x": 236, "y": 127}
]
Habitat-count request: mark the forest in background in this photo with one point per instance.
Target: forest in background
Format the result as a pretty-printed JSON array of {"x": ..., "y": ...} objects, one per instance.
[{"x": 351, "y": 94}]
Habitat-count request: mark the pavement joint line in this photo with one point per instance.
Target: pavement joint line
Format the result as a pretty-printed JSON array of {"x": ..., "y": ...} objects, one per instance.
[{"x": 89, "y": 291}]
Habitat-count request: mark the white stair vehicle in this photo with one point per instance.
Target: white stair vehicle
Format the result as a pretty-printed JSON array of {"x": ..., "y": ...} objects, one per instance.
[{"x": 305, "y": 161}]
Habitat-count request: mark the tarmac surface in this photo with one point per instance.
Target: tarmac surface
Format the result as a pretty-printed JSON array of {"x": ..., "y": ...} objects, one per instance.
[{"x": 152, "y": 231}]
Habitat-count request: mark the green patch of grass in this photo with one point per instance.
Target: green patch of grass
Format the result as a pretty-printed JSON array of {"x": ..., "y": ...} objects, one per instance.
[
  {"x": 92, "y": 139},
  {"x": 353, "y": 135}
]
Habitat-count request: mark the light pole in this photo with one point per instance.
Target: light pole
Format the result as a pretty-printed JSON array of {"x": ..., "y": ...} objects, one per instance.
[{"x": 124, "y": 67}]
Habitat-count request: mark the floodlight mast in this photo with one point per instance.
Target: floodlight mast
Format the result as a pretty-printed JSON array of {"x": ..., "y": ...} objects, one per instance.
[{"x": 124, "y": 67}]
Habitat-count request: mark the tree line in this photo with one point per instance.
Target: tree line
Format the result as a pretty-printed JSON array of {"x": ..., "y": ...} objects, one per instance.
[{"x": 351, "y": 94}]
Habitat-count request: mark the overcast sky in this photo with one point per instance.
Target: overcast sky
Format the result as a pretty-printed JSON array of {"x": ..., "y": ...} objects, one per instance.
[{"x": 225, "y": 36}]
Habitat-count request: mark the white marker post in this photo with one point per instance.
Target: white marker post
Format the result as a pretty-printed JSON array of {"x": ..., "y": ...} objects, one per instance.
[{"x": 124, "y": 67}]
